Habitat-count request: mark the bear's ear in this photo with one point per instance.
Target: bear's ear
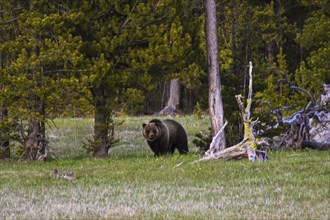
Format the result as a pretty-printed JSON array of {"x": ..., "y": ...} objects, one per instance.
[{"x": 143, "y": 125}]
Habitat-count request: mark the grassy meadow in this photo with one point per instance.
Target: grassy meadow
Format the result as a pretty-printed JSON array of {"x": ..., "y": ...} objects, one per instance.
[{"x": 133, "y": 184}]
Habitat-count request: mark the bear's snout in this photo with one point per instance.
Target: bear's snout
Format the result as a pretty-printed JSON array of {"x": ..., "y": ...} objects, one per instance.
[{"x": 164, "y": 136}]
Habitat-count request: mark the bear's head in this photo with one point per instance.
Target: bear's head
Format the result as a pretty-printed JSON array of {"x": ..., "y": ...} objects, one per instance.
[{"x": 151, "y": 131}]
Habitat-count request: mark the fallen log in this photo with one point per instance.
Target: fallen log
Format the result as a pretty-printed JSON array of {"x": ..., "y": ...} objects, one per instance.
[
  {"x": 308, "y": 127},
  {"x": 315, "y": 145}
]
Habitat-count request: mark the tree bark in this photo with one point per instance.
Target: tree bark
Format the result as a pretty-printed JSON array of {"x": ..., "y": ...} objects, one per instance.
[
  {"x": 215, "y": 98},
  {"x": 31, "y": 144},
  {"x": 247, "y": 148},
  {"x": 173, "y": 100},
  {"x": 103, "y": 130},
  {"x": 35, "y": 145}
]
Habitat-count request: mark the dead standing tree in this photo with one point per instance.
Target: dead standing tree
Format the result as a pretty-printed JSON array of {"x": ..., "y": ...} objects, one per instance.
[
  {"x": 215, "y": 97},
  {"x": 247, "y": 148}
]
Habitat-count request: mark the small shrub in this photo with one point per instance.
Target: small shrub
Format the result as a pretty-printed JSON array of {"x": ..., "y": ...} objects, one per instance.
[{"x": 203, "y": 140}]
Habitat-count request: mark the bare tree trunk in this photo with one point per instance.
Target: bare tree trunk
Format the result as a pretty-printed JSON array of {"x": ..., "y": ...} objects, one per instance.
[
  {"x": 247, "y": 148},
  {"x": 31, "y": 144},
  {"x": 101, "y": 131},
  {"x": 174, "y": 99},
  {"x": 35, "y": 142},
  {"x": 215, "y": 98},
  {"x": 35, "y": 145},
  {"x": 104, "y": 125}
]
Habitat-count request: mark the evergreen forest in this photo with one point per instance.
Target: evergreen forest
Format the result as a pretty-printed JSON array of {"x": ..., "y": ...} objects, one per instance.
[{"x": 103, "y": 58}]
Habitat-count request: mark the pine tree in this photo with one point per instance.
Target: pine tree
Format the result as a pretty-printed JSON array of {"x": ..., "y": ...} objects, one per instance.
[
  {"x": 314, "y": 71},
  {"x": 126, "y": 45},
  {"x": 38, "y": 50}
]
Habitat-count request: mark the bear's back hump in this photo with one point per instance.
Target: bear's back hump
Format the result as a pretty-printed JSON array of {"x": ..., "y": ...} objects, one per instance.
[{"x": 175, "y": 128}]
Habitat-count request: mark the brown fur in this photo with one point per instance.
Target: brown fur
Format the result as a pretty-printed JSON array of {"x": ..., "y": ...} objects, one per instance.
[{"x": 164, "y": 136}]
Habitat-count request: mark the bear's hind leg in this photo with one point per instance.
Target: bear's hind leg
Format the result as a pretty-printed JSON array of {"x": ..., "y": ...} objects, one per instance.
[
  {"x": 183, "y": 147},
  {"x": 172, "y": 149},
  {"x": 183, "y": 150}
]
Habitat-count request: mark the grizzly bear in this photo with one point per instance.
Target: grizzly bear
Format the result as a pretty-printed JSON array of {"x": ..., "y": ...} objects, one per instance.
[{"x": 164, "y": 136}]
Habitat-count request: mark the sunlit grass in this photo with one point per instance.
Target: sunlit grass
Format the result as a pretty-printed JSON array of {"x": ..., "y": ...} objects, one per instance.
[
  {"x": 68, "y": 135},
  {"x": 132, "y": 183}
]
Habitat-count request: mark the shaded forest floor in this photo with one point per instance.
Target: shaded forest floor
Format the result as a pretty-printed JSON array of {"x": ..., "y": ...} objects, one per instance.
[{"x": 134, "y": 184}]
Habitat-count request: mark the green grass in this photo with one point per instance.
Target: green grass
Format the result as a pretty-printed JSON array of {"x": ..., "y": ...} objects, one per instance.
[{"x": 134, "y": 184}]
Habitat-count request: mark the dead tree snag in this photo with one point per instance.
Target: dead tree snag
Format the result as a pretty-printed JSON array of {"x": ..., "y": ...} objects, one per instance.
[{"x": 247, "y": 148}]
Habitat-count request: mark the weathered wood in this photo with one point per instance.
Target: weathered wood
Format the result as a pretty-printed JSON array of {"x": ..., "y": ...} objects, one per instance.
[
  {"x": 315, "y": 145},
  {"x": 216, "y": 141},
  {"x": 247, "y": 148},
  {"x": 309, "y": 127},
  {"x": 215, "y": 98},
  {"x": 173, "y": 100}
]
